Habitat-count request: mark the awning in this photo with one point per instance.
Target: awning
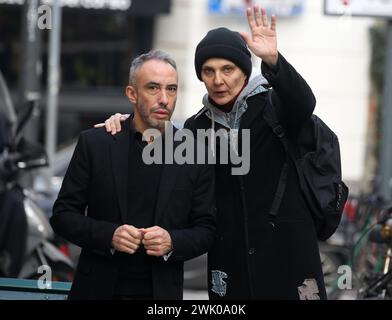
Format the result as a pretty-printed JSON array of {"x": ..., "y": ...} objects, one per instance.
[
  {"x": 134, "y": 7},
  {"x": 149, "y": 7}
]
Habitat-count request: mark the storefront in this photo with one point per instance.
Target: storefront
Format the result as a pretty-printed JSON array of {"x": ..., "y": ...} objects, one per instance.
[{"x": 99, "y": 39}]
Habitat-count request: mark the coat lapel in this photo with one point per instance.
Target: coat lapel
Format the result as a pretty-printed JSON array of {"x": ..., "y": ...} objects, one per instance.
[
  {"x": 120, "y": 168},
  {"x": 120, "y": 164},
  {"x": 169, "y": 175},
  {"x": 255, "y": 107},
  {"x": 168, "y": 181}
]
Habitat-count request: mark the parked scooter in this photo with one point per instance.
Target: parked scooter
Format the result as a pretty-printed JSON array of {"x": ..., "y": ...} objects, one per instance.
[{"x": 30, "y": 231}]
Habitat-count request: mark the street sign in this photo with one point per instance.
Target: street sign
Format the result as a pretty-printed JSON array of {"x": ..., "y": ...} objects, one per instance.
[
  {"x": 281, "y": 8},
  {"x": 359, "y": 8}
]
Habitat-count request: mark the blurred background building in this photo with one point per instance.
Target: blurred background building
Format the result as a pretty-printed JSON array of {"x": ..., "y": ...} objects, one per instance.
[{"x": 97, "y": 46}]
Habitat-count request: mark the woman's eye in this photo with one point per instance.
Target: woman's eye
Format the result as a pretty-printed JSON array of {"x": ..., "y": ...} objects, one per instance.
[{"x": 207, "y": 72}]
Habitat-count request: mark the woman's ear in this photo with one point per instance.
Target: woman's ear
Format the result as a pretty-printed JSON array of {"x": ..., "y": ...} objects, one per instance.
[{"x": 130, "y": 92}]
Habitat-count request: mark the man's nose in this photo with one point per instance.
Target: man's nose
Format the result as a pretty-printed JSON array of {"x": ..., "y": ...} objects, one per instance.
[{"x": 163, "y": 98}]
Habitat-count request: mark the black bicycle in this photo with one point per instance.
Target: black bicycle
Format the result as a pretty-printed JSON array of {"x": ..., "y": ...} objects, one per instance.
[{"x": 377, "y": 282}]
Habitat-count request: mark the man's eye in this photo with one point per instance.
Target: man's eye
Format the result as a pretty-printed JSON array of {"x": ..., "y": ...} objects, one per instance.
[
  {"x": 172, "y": 89},
  {"x": 153, "y": 89},
  {"x": 227, "y": 69}
]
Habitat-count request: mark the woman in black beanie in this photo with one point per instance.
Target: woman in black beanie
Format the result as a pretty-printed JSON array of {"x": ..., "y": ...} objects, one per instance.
[{"x": 254, "y": 258}]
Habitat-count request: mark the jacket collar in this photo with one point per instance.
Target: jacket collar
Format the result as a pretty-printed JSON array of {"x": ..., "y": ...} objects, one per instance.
[
  {"x": 120, "y": 160},
  {"x": 120, "y": 168}
]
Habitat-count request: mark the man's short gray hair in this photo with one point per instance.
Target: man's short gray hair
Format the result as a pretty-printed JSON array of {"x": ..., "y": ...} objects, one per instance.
[{"x": 151, "y": 55}]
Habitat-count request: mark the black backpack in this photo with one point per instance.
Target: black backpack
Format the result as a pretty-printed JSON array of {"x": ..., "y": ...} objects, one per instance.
[{"x": 316, "y": 156}]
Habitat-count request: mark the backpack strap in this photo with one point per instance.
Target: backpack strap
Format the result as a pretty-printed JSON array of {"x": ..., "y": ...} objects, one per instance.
[{"x": 271, "y": 118}]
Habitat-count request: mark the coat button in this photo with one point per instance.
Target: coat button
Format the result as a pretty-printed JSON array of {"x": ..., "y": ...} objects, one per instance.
[{"x": 251, "y": 251}]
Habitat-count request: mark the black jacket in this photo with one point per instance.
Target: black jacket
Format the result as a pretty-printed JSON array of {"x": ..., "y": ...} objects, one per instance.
[
  {"x": 96, "y": 183},
  {"x": 256, "y": 256}
]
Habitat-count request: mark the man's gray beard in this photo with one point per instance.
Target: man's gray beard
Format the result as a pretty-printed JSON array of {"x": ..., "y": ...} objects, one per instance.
[{"x": 156, "y": 124}]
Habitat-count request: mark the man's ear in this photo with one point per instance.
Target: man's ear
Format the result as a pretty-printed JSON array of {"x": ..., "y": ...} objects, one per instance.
[{"x": 130, "y": 91}]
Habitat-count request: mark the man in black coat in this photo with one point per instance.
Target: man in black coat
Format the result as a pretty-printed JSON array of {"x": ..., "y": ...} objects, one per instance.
[
  {"x": 256, "y": 255},
  {"x": 135, "y": 222}
]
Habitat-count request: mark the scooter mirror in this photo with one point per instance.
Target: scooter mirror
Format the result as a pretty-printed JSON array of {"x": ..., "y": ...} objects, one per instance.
[{"x": 32, "y": 154}]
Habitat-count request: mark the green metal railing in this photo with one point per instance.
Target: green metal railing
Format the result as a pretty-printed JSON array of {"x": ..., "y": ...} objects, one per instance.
[{"x": 23, "y": 289}]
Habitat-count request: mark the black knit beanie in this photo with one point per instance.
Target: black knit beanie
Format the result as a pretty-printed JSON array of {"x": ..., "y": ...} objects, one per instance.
[{"x": 226, "y": 44}]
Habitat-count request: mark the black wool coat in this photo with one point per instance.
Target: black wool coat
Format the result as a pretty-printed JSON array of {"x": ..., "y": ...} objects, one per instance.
[
  {"x": 255, "y": 257},
  {"x": 93, "y": 202}
]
